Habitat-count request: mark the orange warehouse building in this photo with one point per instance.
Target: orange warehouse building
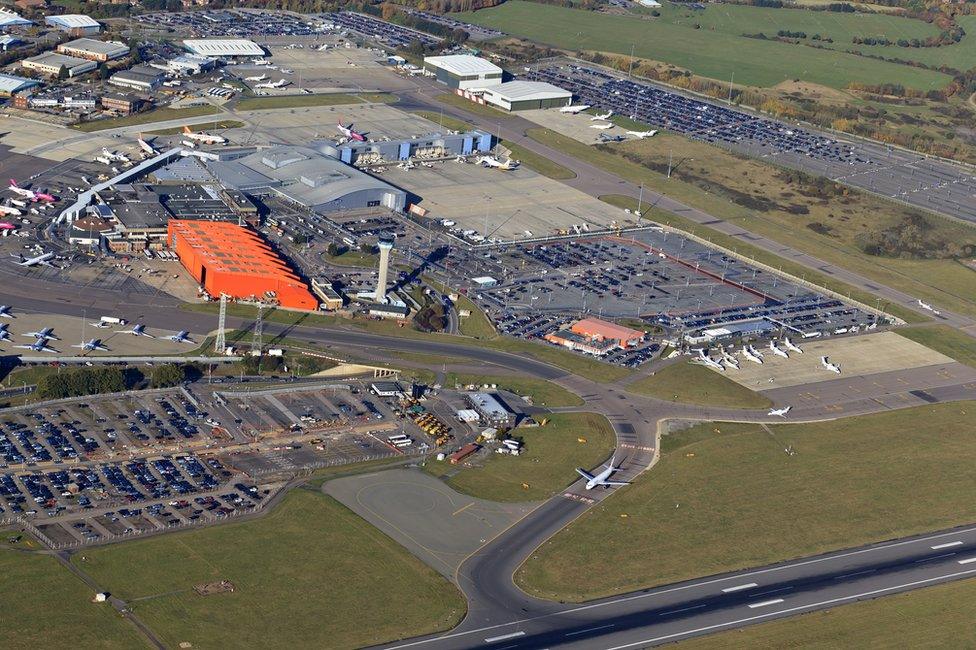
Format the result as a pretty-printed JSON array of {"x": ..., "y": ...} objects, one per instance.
[
  {"x": 601, "y": 330},
  {"x": 226, "y": 258}
]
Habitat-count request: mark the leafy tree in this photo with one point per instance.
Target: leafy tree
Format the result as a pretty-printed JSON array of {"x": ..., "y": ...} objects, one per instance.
[
  {"x": 63, "y": 73},
  {"x": 167, "y": 375}
]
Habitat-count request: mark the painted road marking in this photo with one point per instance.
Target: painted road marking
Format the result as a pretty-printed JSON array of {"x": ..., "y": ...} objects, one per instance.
[
  {"x": 492, "y": 639},
  {"x": 856, "y": 573},
  {"x": 968, "y": 560},
  {"x": 766, "y": 603},
  {"x": 683, "y": 609},
  {"x": 462, "y": 509},
  {"x": 946, "y": 545},
  {"x": 592, "y": 629},
  {"x": 739, "y": 588}
]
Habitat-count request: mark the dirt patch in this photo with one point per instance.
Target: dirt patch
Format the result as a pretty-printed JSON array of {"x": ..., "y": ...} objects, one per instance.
[
  {"x": 812, "y": 91},
  {"x": 211, "y": 588}
]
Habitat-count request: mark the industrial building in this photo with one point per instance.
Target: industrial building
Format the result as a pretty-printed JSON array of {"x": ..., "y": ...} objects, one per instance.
[
  {"x": 308, "y": 178},
  {"x": 74, "y": 24},
  {"x": 223, "y": 48},
  {"x": 463, "y": 71},
  {"x": 124, "y": 104},
  {"x": 94, "y": 50},
  {"x": 191, "y": 64},
  {"x": 596, "y": 336},
  {"x": 140, "y": 77},
  {"x": 491, "y": 410},
  {"x": 229, "y": 259},
  {"x": 50, "y": 63},
  {"x": 526, "y": 95},
  {"x": 329, "y": 297},
  {"x": 10, "y": 84},
  {"x": 422, "y": 147},
  {"x": 10, "y": 19}
]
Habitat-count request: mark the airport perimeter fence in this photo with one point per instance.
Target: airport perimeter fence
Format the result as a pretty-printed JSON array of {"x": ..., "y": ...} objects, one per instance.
[
  {"x": 306, "y": 469},
  {"x": 135, "y": 532}
]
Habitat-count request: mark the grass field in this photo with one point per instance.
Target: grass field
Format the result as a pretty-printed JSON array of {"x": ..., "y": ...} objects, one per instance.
[
  {"x": 38, "y": 586},
  {"x": 694, "y": 384},
  {"x": 158, "y": 115},
  {"x": 310, "y": 573},
  {"x": 935, "y": 617},
  {"x": 709, "y": 43},
  {"x": 543, "y": 393},
  {"x": 546, "y": 466},
  {"x": 942, "y": 338},
  {"x": 302, "y": 101},
  {"x": 726, "y": 496}
]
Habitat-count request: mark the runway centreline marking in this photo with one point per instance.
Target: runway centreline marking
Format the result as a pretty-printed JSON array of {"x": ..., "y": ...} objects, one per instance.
[
  {"x": 968, "y": 560},
  {"x": 739, "y": 588},
  {"x": 683, "y": 609},
  {"x": 513, "y": 635},
  {"x": 658, "y": 592},
  {"x": 766, "y": 603},
  {"x": 947, "y": 545},
  {"x": 461, "y": 509},
  {"x": 799, "y": 608},
  {"x": 592, "y": 629}
]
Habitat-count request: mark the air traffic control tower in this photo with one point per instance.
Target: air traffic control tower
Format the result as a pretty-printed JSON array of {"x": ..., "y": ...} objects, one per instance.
[{"x": 385, "y": 245}]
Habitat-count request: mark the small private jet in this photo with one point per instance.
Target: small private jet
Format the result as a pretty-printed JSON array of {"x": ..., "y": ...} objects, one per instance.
[
  {"x": 91, "y": 345},
  {"x": 780, "y": 412},
  {"x": 138, "y": 330}
]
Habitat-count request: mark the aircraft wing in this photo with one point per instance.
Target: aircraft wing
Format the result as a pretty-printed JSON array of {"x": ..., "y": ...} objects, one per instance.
[
  {"x": 584, "y": 474},
  {"x": 616, "y": 483}
]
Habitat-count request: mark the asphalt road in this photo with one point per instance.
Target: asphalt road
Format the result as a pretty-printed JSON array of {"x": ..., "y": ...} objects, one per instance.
[{"x": 711, "y": 604}]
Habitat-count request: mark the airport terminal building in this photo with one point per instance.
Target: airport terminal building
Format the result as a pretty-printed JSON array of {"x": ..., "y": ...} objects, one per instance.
[
  {"x": 424, "y": 147},
  {"x": 307, "y": 177}
]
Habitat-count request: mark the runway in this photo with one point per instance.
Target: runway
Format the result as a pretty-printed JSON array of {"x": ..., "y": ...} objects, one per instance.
[{"x": 680, "y": 611}]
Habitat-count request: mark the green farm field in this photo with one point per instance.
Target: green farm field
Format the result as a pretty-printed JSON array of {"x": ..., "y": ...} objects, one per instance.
[
  {"x": 719, "y": 487},
  {"x": 310, "y": 573},
  {"x": 38, "y": 585},
  {"x": 716, "y": 47}
]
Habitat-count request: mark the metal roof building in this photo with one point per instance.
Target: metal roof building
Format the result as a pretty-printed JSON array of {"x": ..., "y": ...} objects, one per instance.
[
  {"x": 77, "y": 24},
  {"x": 307, "y": 177},
  {"x": 12, "y": 19},
  {"x": 50, "y": 63},
  {"x": 463, "y": 71},
  {"x": 223, "y": 47},
  {"x": 226, "y": 258},
  {"x": 94, "y": 50},
  {"x": 10, "y": 84},
  {"x": 525, "y": 95}
]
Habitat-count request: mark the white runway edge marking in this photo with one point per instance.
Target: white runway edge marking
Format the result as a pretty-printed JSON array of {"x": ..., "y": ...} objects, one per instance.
[
  {"x": 968, "y": 560},
  {"x": 946, "y": 545},
  {"x": 739, "y": 588},
  {"x": 492, "y": 639},
  {"x": 766, "y": 603}
]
